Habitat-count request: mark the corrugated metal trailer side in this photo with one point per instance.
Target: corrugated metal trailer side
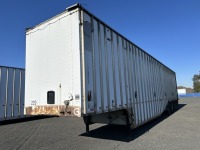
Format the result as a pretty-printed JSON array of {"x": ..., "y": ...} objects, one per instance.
[
  {"x": 93, "y": 72},
  {"x": 122, "y": 83},
  {"x": 12, "y": 87}
]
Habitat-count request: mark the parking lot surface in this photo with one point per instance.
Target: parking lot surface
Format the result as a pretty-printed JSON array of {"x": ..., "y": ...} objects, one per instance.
[{"x": 179, "y": 131}]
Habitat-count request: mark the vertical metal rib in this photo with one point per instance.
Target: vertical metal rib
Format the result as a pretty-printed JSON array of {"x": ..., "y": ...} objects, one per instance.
[
  {"x": 100, "y": 62},
  {"x": 134, "y": 86},
  {"x": 82, "y": 63},
  {"x": 107, "y": 75},
  {"x": 113, "y": 68},
  {"x": 128, "y": 72},
  {"x": 124, "y": 54},
  {"x": 13, "y": 100},
  {"x": 119, "y": 70},
  {"x": 131, "y": 80},
  {"x": 6, "y": 94},
  {"x": 20, "y": 82},
  {"x": 93, "y": 64}
]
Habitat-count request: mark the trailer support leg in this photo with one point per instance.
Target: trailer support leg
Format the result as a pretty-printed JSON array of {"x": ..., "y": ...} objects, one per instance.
[
  {"x": 87, "y": 128},
  {"x": 87, "y": 122}
]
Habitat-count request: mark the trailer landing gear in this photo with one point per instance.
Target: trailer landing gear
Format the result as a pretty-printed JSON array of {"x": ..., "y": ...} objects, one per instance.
[
  {"x": 87, "y": 120},
  {"x": 87, "y": 128}
]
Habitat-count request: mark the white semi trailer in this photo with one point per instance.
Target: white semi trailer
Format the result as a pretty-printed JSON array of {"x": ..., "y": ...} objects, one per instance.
[
  {"x": 12, "y": 87},
  {"x": 77, "y": 65}
]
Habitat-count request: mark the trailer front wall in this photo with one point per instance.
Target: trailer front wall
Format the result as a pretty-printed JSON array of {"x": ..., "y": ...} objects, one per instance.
[
  {"x": 120, "y": 75},
  {"x": 12, "y": 83},
  {"x": 53, "y": 65}
]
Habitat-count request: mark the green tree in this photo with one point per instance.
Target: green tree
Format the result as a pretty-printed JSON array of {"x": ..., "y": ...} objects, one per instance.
[{"x": 196, "y": 83}]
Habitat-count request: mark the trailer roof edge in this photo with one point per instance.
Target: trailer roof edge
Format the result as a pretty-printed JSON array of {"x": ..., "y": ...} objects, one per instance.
[
  {"x": 12, "y": 67},
  {"x": 78, "y": 5}
]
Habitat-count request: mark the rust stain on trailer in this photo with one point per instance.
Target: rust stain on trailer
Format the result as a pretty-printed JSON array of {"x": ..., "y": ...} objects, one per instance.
[{"x": 59, "y": 110}]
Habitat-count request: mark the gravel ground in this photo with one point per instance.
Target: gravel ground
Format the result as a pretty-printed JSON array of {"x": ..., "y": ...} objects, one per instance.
[{"x": 179, "y": 131}]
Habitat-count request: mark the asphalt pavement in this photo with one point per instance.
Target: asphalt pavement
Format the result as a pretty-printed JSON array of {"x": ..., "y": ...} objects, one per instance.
[{"x": 179, "y": 131}]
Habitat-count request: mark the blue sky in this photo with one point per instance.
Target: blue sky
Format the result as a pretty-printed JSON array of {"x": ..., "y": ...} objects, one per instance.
[{"x": 168, "y": 30}]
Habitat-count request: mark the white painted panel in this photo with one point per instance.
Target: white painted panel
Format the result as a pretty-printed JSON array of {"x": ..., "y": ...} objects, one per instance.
[
  {"x": 140, "y": 88},
  {"x": 148, "y": 76},
  {"x": 97, "y": 51},
  {"x": 117, "y": 72},
  {"x": 129, "y": 74},
  {"x": 146, "y": 84},
  {"x": 10, "y": 92},
  {"x": 110, "y": 82},
  {"x": 103, "y": 68},
  {"x": 163, "y": 87},
  {"x": 53, "y": 61},
  {"x": 140, "y": 94},
  {"x": 3, "y": 80},
  {"x": 121, "y": 68},
  {"x": 130, "y": 85},
  {"x": 137, "y": 87},
  {"x": 74, "y": 48},
  {"x": 121, "y": 59},
  {"x": 157, "y": 87},
  {"x": 150, "y": 85},
  {"x": 144, "y": 96},
  {"x": 160, "y": 90},
  {"x": 136, "y": 109},
  {"x": 126, "y": 73},
  {"x": 153, "y": 86},
  {"x": 87, "y": 28}
]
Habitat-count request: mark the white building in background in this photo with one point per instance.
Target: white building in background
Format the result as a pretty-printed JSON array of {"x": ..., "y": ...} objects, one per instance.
[{"x": 181, "y": 91}]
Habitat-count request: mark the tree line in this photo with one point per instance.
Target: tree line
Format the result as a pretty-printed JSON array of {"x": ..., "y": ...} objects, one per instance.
[{"x": 196, "y": 83}]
